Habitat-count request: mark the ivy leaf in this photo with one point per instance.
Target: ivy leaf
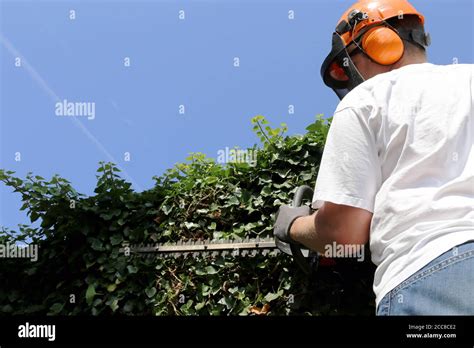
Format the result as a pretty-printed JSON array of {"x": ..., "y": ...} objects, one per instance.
[
  {"x": 206, "y": 270},
  {"x": 273, "y": 296},
  {"x": 114, "y": 305},
  {"x": 90, "y": 293},
  {"x": 191, "y": 225},
  {"x": 116, "y": 239},
  {"x": 199, "y": 305},
  {"x": 96, "y": 244},
  {"x": 211, "y": 270},
  {"x": 150, "y": 292},
  {"x": 132, "y": 269},
  {"x": 266, "y": 191},
  {"x": 56, "y": 308},
  {"x": 233, "y": 201}
]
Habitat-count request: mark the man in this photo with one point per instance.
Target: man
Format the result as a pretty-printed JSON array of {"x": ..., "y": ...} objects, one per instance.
[{"x": 398, "y": 164}]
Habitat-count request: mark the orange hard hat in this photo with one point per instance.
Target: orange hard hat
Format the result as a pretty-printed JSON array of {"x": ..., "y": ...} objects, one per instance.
[
  {"x": 364, "y": 27},
  {"x": 376, "y": 12}
]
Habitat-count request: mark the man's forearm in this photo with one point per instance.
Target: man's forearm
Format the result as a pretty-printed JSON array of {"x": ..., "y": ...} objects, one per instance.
[{"x": 303, "y": 230}]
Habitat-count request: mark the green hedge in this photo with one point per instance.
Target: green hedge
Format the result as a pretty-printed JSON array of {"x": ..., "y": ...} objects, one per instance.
[{"x": 80, "y": 269}]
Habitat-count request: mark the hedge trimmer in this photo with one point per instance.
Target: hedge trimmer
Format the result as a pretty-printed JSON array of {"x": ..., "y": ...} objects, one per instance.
[{"x": 305, "y": 258}]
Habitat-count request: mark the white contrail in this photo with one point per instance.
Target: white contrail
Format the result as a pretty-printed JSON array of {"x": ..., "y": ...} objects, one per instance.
[{"x": 42, "y": 83}]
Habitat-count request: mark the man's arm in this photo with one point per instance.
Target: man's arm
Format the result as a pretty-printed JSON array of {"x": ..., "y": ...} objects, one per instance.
[{"x": 338, "y": 223}]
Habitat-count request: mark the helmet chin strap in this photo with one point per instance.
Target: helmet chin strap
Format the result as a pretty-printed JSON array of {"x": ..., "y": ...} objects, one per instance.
[
  {"x": 340, "y": 55},
  {"x": 355, "y": 77}
]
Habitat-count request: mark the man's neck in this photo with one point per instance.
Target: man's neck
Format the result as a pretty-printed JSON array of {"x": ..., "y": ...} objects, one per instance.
[{"x": 410, "y": 61}]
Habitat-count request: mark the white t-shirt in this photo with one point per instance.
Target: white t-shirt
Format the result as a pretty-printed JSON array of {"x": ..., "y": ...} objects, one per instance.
[{"x": 401, "y": 146}]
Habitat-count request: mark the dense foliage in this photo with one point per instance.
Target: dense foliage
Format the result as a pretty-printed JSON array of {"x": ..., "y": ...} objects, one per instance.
[{"x": 81, "y": 270}]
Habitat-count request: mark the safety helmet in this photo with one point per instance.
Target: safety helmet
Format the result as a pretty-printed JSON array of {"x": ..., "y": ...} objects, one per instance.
[{"x": 364, "y": 27}]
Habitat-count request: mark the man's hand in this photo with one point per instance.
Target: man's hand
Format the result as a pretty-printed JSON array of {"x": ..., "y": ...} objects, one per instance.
[{"x": 284, "y": 219}]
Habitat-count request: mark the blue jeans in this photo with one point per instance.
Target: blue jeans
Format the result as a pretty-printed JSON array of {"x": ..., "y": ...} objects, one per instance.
[{"x": 445, "y": 286}]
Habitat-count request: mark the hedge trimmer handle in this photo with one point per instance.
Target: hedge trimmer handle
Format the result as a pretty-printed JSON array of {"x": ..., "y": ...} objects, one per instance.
[{"x": 303, "y": 192}]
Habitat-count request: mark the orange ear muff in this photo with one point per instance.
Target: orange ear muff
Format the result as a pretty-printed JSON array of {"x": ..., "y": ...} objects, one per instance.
[{"x": 383, "y": 45}]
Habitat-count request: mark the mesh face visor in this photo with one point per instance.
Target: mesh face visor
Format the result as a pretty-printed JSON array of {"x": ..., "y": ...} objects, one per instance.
[{"x": 338, "y": 71}]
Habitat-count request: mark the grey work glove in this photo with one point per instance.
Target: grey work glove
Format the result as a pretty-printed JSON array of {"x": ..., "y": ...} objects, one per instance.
[{"x": 284, "y": 219}]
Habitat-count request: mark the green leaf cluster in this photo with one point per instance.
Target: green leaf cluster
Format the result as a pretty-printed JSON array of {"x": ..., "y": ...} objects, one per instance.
[{"x": 82, "y": 269}]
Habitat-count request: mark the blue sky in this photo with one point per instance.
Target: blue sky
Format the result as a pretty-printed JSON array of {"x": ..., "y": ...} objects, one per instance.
[{"x": 173, "y": 62}]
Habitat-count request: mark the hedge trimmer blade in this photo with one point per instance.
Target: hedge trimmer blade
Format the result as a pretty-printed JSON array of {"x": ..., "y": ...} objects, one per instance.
[{"x": 235, "y": 247}]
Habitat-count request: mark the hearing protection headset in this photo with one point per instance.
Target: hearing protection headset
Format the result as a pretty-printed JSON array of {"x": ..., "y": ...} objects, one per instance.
[{"x": 364, "y": 28}]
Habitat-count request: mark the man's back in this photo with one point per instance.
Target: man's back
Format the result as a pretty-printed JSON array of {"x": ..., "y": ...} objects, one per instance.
[
  {"x": 419, "y": 180},
  {"x": 398, "y": 164}
]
